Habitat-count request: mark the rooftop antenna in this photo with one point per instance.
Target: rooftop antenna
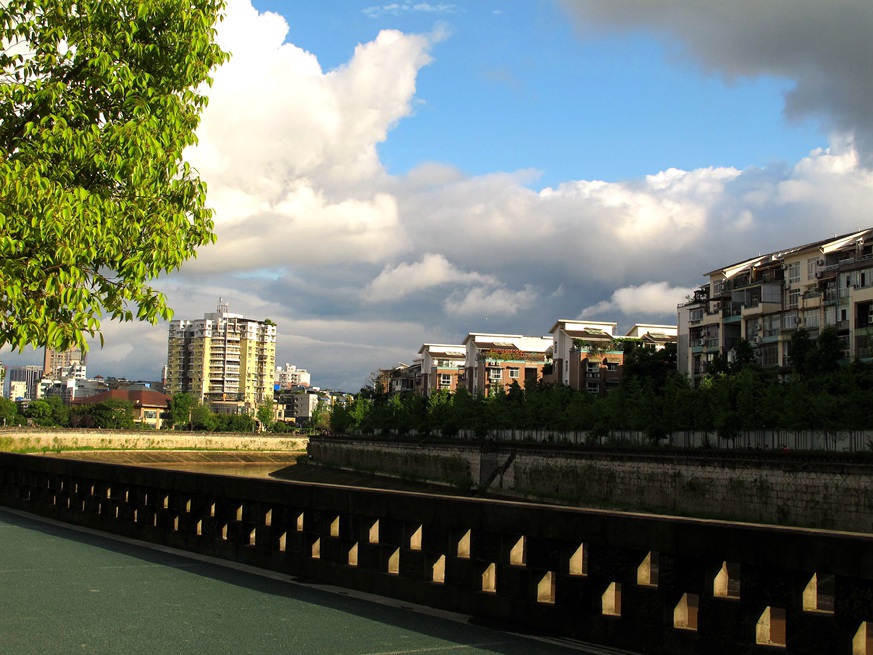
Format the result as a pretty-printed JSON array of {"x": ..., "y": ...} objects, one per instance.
[{"x": 222, "y": 306}]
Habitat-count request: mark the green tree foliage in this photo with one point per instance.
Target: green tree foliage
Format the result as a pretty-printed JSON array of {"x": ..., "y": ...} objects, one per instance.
[
  {"x": 266, "y": 414},
  {"x": 737, "y": 395},
  {"x": 98, "y": 100},
  {"x": 203, "y": 418},
  {"x": 49, "y": 411},
  {"x": 9, "y": 412},
  {"x": 178, "y": 413},
  {"x": 112, "y": 413}
]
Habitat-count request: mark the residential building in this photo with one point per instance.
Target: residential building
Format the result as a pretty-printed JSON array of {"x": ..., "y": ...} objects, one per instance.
[
  {"x": 653, "y": 336},
  {"x": 222, "y": 358},
  {"x": 30, "y": 376},
  {"x": 71, "y": 389},
  {"x": 290, "y": 376},
  {"x": 586, "y": 355},
  {"x": 148, "y": 405},
  {"x": 17, "y": 390},
  {"x": 60, "y": 364},
  {"x": 403, "y": 378},
  {"x": 766, "y": 298},
  {"x": 498, "y": 360},
  {"x": 442, "y": 367},
  {"x": 300, "y": 405}
]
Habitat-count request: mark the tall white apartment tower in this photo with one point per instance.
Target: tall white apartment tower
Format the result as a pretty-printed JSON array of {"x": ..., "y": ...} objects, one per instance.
[{"x": 222, "y": 357}]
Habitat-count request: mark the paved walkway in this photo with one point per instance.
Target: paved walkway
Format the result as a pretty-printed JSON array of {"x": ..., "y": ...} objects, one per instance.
[{"x": 64, "y": 590}]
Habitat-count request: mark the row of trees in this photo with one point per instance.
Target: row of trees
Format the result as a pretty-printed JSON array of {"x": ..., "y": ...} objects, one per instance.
[
  {"x": 736, "y": 395},
  {"x": 53, "y": 412},
  {"x": 184, "y": 412}
]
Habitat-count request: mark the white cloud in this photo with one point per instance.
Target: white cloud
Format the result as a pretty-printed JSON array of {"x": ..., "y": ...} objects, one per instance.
[
  {"x": 652, "y": 298},
  {"x": 410, "y": 6},
  {"x": 290, "y": 152},
  {"x": 484, "y": 302},
  {"x": 396, "y": 282}
]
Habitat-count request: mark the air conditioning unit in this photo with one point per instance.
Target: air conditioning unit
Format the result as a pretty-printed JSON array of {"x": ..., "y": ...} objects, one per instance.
[
  {"x": 820, "y": 262},
  {"x": 798, "y": 321},
  {"x": 701, "y": 342},
  {"x": 756, "y": 340},
  {"x": 758, "y": 327}
]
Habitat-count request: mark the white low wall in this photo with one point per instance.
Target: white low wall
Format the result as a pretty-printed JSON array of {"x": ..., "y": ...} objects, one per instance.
[{"x": 34, "y": 439}]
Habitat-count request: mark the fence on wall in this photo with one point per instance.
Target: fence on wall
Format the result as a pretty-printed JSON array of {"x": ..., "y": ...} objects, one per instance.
[{"x": 830, "y": 441}]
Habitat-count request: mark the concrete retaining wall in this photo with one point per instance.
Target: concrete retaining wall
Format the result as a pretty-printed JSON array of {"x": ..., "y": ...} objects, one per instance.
[
  {"x": 776, "y": 488},
  {"x": 35, "y": 439},
  {"x": 652, "y": 584}
]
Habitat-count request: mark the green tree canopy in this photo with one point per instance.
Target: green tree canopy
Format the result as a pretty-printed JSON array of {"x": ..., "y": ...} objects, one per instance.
[{"x": 98, "y": 100}]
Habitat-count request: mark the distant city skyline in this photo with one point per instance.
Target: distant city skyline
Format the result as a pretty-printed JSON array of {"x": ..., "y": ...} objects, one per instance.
[{"x": 391, "y": 174}]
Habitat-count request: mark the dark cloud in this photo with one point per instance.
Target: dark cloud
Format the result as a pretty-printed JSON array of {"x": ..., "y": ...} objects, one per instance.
[{"x": 825, "y": 48}]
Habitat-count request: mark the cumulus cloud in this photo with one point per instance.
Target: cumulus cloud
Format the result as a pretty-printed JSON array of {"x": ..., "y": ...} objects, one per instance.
[
  {"x": 649, "y": 299},
  {"x": 483, "y": 301},
  {"x": 396, "y": 282},
  {"x": 825, "y": 48},
  {"x": 289, "y": 151},
  {"x": 410, "y": 6}
]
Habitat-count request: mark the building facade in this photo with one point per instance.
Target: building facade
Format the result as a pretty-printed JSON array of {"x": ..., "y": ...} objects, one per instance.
[
  {"x": 222, "y": 358},
  {"x": 60, "y": 364},
  {"x": 24, "y": 382},
  {"x": 766, "y": 299},
  {"x": 290, "y": 376},
  {"x": 498, "y": 360},
  {"x": 442, "y": 367},
  {"x": 587, "y": 356}
]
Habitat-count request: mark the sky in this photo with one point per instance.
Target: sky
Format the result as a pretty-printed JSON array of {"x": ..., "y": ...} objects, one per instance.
[{"x": 390, "y": 174}]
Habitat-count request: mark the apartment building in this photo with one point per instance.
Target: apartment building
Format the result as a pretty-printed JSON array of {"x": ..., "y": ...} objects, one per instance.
[
  {"x": 766, "y": 298},
  {"x": 403, "y": 378},
  {"x": 586, "y": 355},
  {"x": 653, "y": 336},
  {"x": 494, "y": 360},
  {"x": 24, "y": 382},
  {"x": 442, "y": 366},
  {"x": 60, "y": 364},
  {"x": 222, "y": 358},
  {"x": 289, "y": 376}
]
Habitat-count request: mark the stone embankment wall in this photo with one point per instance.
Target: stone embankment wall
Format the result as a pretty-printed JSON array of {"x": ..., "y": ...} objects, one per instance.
[
  {"x": 810, "y": 490},
  {"x": 435, "y": 464},
  {"x": 44, "y": 439}
]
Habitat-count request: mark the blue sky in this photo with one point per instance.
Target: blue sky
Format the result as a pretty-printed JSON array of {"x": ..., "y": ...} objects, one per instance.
[
  {"x": 514, "y": 85},
  {"x": 391, "y": 174}
]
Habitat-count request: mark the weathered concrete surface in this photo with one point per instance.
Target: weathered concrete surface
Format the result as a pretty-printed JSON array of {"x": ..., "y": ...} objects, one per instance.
[
  {"x": 36, "y": 439},
  {"x": 804, "y": 489}
]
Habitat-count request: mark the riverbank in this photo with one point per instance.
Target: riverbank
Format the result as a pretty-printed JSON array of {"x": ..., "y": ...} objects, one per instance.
[{"x": 36, "y": 440}]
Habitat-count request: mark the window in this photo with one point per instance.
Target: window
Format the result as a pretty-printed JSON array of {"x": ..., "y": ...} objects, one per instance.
[
  {"x": 513, "y": 374},
  {"x": 695, "y": 315},
  {"x": 811, "y": 268},
  {"x": 445, "y": 381},
  {"x": 717, "y": 287},
  {"x": 789, "y": 321},
  {"x": 794, "y": 272},
  {"x": 593, "y": 387},
  {"x": 793, "y": 298},
  {"x": 495, "y": 374}
]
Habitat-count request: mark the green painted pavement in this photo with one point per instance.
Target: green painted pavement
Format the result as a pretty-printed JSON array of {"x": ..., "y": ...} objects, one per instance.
[{"x": 68, "y": 591}]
